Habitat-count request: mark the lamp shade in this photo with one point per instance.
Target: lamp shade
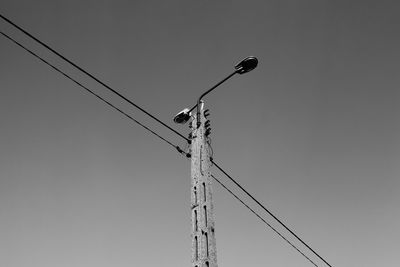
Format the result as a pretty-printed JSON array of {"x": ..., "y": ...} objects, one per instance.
[{"x": 246, "y": 65}]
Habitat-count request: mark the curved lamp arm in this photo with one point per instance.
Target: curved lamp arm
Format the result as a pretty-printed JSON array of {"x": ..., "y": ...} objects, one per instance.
[{"x": 244, "y": 66}]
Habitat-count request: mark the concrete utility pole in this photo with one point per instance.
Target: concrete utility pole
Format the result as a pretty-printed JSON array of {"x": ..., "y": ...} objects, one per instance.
[{"x": 204, "y": 252}]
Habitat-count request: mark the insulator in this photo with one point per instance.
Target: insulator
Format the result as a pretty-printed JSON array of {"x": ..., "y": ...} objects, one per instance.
[
  {"x": 208, "y": 131},
  {"x": 207, "y": 123},
  {"x": 190, "y": 136},
  {"x": 206, "y": 113}
]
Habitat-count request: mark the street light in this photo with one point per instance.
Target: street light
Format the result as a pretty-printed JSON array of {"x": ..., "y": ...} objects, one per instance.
[{"x": 244, "y": 66}]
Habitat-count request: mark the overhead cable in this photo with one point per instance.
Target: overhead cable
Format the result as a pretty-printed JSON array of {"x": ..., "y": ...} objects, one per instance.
[
  {"x": 262, "y": 219},
  {"x": 91, "y": 76},
  {"x": 269, "y": 212},
  {"x": 90, "y": 91},
  {"x": 168, "y": 142}
]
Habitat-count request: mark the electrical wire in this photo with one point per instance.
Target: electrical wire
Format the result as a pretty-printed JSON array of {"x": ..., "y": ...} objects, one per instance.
[
  {"x": 91, "y": 76},
  {"x": 154, "y": 133},
  {"x": 209, "y": 147},
  {"x": 262, "y": 219},
  {"x": 270, "y": 213},
  {"x": 88, "y": 90}
]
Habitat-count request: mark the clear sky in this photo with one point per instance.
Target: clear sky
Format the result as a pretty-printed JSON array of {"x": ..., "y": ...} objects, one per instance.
[{"x": 313, "y": 132}]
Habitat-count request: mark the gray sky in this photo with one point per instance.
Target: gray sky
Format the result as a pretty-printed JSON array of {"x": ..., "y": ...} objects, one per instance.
[{"x": 313, "y": 132}]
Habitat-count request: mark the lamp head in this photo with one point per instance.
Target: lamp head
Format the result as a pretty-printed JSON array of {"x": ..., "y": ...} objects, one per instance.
[
  {"x": 246, "y": 65},
  {"x": 182, "y": 117}
]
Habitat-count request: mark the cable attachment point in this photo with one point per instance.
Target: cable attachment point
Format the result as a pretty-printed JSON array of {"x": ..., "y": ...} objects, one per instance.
[
  {"x": 206, "y": 113},
  {"x": 179, "y": 150},
  {"x": 190, "y": 136}
]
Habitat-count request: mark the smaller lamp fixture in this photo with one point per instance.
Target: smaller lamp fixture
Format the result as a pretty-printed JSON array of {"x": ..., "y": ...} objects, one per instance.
[{"x": 182, "y": 117}]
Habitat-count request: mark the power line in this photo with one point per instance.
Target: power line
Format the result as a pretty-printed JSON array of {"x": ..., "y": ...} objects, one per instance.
[
  {"x": 91, "y": 76},
  {"x": 90, "y": 91},
  {"x": 262, "y": 219},
  {"x": 151, "y": 131},
  {"x": 270, "y": 213}
]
